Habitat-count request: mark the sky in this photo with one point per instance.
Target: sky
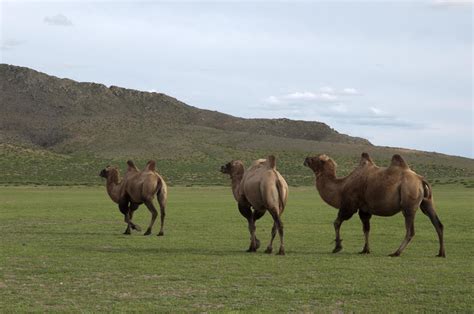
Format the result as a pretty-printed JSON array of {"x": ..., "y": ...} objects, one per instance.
[{"x": 396, "y": 73}]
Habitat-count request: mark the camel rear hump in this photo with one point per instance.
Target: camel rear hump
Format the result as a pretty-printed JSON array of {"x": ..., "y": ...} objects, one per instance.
[
  {"x": 398, "y": 161},
  {"x": 150, "y": 166}
]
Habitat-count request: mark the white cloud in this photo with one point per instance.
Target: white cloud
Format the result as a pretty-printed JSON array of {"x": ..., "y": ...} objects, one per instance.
[
  {"x": 377, "y": 111},
  {"x": 327, "y": 89},
  {"x": 10, "y": 43},
  {"x": 58, "y": 20},
  {"x": 350, "y": 91},
  {"x": 453, "y": 2}
]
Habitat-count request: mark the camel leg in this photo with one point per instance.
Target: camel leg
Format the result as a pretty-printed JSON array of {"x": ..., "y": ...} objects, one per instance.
[
  {"x": 410, "y": 231},
  {"x": 256, "y": 216},
  {"x": 279, "y": 225},
  {"x": 428, "y": 209},
  {"x": 123, "y": 206},
  {"x": 341, "y": 216},
  {"x": 133, "y": 208},
  {"x": 162, "y": 203},
  {"x": 246, "y": 211},
  {"x": 154, "y": 214},
  {"x": 365, "y": 218},
  {"x": 270, "y": 246}
]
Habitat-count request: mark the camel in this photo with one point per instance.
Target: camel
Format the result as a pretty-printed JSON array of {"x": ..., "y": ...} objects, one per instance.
[
  {"x": 137, "y": 187},
  {"x": 262, "y": 188},
  {"x": 373, "y": 190}
]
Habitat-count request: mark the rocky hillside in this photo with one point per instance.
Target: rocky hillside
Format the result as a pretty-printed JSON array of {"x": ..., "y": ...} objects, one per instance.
[
  {"x": 50, "y": 127},
  {"x": 67, "y": 116}
]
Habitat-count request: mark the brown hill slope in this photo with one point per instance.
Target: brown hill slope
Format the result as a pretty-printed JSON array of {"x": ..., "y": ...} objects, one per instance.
[
  {"x": 68, "y": 116},
  {"x": 51, "y": 128}
]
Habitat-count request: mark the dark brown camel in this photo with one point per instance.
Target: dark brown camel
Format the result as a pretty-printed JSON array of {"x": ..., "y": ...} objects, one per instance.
[
  {"x": 262, "y": 188},
  {"x": 373, "y": 190},
  {"x": 137, "y": 187}
]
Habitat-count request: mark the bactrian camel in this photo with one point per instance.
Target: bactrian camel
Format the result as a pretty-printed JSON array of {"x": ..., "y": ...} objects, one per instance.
[
  {"x": 373, "y": 190},
  {"x": 137, "y": 187},
  {"x": 262, "y": 188}
]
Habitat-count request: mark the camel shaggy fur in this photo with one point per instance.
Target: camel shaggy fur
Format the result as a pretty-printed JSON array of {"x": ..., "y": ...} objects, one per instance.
[
  {"x": 137, "y": 187},
  {"x": 373, "y": 190},
  {"x": 262, "y": 188}
]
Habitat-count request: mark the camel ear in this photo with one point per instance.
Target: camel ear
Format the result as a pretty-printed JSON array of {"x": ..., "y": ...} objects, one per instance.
[
  {"x": 151, "y": 165},
  {"x": 272, "y": 161}
]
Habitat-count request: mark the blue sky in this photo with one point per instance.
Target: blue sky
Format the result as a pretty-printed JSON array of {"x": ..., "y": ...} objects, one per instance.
[{"x": 397, "y": 73}]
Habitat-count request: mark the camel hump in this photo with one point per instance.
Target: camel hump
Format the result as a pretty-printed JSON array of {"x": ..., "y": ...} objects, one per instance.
[
  {"x": 131, "y": 166},
  {"x": 150, "y": 166},
  {"x": 365, "y": 159},
  {"x": 272, "y": 161},
  {"x": 398, "y": 161}
]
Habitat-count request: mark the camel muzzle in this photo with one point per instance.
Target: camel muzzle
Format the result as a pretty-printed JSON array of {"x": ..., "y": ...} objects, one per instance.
[{"x": 305, "y": 163}]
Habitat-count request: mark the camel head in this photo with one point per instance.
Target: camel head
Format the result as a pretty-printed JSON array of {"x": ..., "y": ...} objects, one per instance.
[
  {"x": 320, "y": 164},
  {"x": 110, "y": 172},
  {"x": 233, "y": 167}
]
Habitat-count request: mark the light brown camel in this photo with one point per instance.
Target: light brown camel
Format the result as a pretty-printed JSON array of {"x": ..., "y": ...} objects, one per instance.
[
  {"x": 373, "y": 190},
  {"x": 115, "y": 190},
  {"x": 262, "y": 188},
  {"x": 135, "y": 188}
]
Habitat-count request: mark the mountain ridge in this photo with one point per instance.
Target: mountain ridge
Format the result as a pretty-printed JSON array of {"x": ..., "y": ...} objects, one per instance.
[
  {"x": 64, "y": 100},
  {"x": 51, "y": 128}
]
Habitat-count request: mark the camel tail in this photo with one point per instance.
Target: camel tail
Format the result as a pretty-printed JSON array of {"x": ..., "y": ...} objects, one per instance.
[
  {"x": 281, "y": 196},
  {"x": 162, "y": 192},
  {"x": 427, "y": 192}
]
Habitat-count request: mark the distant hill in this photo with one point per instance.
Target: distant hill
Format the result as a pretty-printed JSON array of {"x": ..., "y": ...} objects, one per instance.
[{"x": 52, "y": 121}]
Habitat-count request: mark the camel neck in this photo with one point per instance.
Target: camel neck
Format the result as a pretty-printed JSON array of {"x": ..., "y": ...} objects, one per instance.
[
  {"x": 236, "y": 178},
  {"x": 329, "y": 188},
  {"x": 113, "y": 189}
]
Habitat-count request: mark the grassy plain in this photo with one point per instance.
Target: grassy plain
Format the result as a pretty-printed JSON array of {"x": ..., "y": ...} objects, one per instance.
[{"x": 62, "y": 250}]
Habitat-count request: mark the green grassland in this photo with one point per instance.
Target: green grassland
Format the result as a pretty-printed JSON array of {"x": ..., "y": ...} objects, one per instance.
[
  {"x": 62, "y": 250},
  {"x": 32, "y": 166}
]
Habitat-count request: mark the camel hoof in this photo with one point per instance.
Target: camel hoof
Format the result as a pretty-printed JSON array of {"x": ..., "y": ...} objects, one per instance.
[
  {"x": 364, "y": 252},
  {"x": 148, "y": 232},
  {"x": 269, "y": 250},
  {"x": 161, "y": 233},
  {"x": 394, "y": 254},
  {"x": 337, "y": 249},
  {"x": 281, "y": 252},
  {"x": 251, "y": 250},
  {"x": 441, "y": 255}
]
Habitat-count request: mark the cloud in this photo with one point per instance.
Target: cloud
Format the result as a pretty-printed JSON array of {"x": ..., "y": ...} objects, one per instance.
[
  {"x": 58, "y": 20},
  {"x": 326, "y": 94},
  {"x": 10, "y": 44},
  {"x": 350, "y": 91},
  {"x": 451, "y": 3},
  {"x": 327, "y": 105},
  {"x": 377, "y": 111},
  {"x": 307, "y": 96}
]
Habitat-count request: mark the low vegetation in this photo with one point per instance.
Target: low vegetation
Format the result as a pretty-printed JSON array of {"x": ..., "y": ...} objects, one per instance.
[{"x": 69, "y": 256}]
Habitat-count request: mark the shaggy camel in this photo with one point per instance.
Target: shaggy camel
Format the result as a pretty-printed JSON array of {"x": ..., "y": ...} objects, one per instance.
[
  {"x": 262, "y": 188},
  {"x": 135, "y": 188},
  {"x": 373, "y": 190}
]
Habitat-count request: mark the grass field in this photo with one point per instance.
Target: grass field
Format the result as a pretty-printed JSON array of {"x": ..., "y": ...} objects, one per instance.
[{"x": 62, "y": 250}]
